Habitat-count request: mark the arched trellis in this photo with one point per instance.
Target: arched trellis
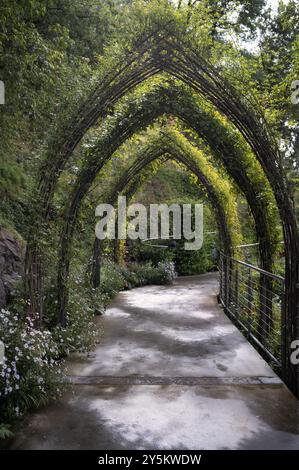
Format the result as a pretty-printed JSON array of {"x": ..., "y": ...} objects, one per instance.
[
  {"x": 225, "y": 146},
  {"x": 137, "y": 116},
  {"x": 146, "y": 173},
  {"x": 172, "y": 146},
  {"x": 171, "y": 142},
  {"x": 83, "y": 186},
  {"x": 89, "y": 175},
  {"x": 170, "y": 49},
  {"x": 129, "y": 191}
]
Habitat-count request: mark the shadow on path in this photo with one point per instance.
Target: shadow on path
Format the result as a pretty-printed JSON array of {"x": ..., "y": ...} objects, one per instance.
[{"x": 172, "y": 372}]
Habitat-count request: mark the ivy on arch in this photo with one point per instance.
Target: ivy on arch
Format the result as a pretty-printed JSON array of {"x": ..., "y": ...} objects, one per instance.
[
  {"x": 140, "y": 113},
  {"x": 171, "y": 145},
  {"x": 219, "y": 191},
  {"x": 162, "y": 42}
]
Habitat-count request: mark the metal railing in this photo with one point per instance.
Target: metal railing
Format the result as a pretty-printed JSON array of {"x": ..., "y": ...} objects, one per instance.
[{"x": 254, "y": 300}]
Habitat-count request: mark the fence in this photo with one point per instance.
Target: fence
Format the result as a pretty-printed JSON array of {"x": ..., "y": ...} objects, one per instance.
[{"x": 254, "y": 300}]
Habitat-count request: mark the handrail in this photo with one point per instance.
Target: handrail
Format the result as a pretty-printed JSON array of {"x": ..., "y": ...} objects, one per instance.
[
  {"x": 254, "y": 244},
  {"x": 256, "y": 306},
  {"x": 255, "y": 268}
]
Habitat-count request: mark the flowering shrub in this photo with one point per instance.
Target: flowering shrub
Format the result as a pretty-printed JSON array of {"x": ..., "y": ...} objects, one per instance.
[
  {"x": 146, "y": 273},
  {"x": 112, "y": 279},
  {"x": 116, "y": 278},
  {"x": 167, "y": 271},
  {"x": 81, "y": 334},
  {"x": 30, "y": 374}
]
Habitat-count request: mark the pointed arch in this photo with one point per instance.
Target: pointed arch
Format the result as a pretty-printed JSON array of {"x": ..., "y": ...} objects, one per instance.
[{"x": 168, "y": 47}]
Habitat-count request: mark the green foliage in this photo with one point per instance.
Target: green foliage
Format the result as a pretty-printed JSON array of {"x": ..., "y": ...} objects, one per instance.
[
  {"x": 145, "y": 251},
  {"x": 147, "y": 273},
  {"x": 112, "y": 279},
  {"x": 48, "y": 51},
  {"x": 30, "y": 375},
  {"x": 279, "y": 68},
  {"x": 116, "y": 278},
  {"x": 52, "y": 54},
  {"x": 81, "y": 334},
  {"x": 188, "y": 263},
  {"x": 5, "y": 431}
]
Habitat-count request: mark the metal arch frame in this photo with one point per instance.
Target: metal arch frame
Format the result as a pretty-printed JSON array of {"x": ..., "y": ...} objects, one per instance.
[{"x": 167, "y": 50}]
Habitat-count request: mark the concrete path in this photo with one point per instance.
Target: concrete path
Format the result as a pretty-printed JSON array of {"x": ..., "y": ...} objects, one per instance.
[{"x": 172, "y": 372}]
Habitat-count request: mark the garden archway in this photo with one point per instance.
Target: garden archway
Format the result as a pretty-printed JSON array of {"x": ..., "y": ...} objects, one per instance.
[
  {"x": 174, "y": 147},
  {"x": 168, "y": 47}
]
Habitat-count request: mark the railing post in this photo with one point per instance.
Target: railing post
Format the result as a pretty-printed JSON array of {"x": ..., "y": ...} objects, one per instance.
[
  {"x": 265, "y": 320},
  {"x": 249, "y": 302},
  {"x": 227, "y": 293},
  {"x": 283, "y": 336},
  {"x": 221, "y": 277},
  {"x": 237, "y": 288}
]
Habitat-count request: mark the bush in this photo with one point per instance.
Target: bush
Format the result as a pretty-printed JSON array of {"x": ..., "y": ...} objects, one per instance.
[
  {"x": 82, "y": 333},
  {"x": 167, "y": 271},
  {"x": 116, "y": 278},
  {"x": 141, "y": 252},
  {"x": 112, "y": 279},
  {"x": 131, "y": 278},
  {"x": 30, "y": 375},
  {"x": 188, "y": 263},
  {"x": 146, "y": 273}
]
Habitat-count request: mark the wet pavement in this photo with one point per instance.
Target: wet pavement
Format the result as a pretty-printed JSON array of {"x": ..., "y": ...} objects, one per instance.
[{"x": 172, "y": 372}]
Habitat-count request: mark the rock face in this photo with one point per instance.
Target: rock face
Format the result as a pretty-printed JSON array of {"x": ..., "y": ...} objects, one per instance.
[{"x": 11, "y": 265}]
